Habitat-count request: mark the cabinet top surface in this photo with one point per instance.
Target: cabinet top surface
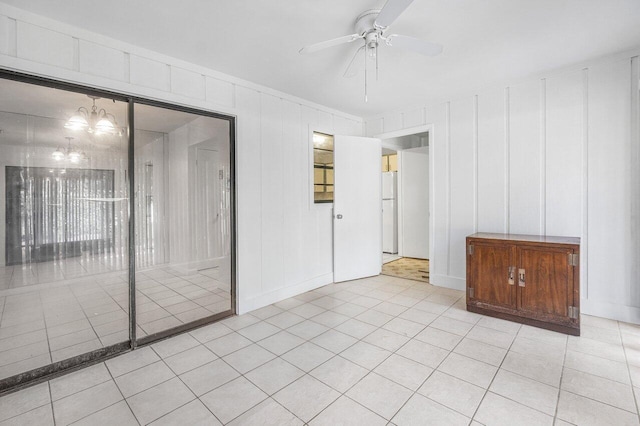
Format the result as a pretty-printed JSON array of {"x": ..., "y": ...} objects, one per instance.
[{"x": 528, "y": 238}]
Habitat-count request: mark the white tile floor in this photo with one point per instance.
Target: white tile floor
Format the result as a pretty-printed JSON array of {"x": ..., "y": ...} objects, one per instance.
[
  {"x": 377, "y": 351},
  {"x": 48, "y": 317}
]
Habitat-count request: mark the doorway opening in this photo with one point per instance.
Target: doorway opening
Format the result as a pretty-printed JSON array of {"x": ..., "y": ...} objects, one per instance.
[{"x": 406, "y": 205}]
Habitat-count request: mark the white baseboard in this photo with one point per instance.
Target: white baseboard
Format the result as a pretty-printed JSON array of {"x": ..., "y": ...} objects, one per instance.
[
  {"x": 448, "y": 282},
  {"x": 630, "y": 314},
  {"x": 282, "y": 293},
  {"x": 612, "y": 311}
]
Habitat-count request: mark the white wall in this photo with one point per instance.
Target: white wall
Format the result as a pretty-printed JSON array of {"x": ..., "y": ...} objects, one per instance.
[
  {"x": 554, "y": 155},
  {"x": 283, "y": 240},
  {"x": 414, "y": 200}
]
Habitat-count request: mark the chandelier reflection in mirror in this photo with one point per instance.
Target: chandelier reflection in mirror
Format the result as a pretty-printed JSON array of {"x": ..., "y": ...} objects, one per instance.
[
  {"x": 97, "y": 121},
  {"x": 71, "y": 153}
]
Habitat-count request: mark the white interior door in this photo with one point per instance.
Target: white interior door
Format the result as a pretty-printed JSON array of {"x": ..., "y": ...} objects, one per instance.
[
  {"x": 357, "y": 208},
  {"x": 207, "y": 214}
]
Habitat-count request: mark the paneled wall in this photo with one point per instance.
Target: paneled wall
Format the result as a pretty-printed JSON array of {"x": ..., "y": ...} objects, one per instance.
[
  {"x": 555, "y": 155},
  {"x": 284, "y": 242},
  {"x": 558, "y": 155}
]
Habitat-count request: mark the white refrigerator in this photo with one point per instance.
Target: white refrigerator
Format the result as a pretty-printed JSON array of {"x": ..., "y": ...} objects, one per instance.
[{"x": 389, "y": 212}]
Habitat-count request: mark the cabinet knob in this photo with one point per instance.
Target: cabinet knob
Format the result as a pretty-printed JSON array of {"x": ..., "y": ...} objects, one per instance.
[
  {"x": 510, "y": 280},
  {"x": 521, "y": 277}
]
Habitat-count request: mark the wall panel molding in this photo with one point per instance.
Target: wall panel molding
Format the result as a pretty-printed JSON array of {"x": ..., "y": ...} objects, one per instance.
[
  {"x": 507, "y": 162},
  {"x": 447, "y": 146},
  {"x": 571, "y": 150},
  {"x": 635, "y": 178},
  {"x": 543, "y": 156},
  {"x": 475, "y": 163},
  {"x": 584, "y": 241},
  {"x": 46, "y": 69}
]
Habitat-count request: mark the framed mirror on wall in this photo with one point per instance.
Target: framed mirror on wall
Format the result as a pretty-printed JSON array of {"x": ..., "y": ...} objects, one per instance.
[{"x": 116, "y": 221}]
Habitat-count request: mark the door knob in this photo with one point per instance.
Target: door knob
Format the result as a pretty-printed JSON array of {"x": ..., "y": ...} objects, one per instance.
[{"x": 339, "y": 216}]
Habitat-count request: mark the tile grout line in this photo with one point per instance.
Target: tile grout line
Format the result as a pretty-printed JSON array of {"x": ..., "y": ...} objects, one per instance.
[
  {"x": 118, "y": 387},
  {"x": 217, "y": 387},
  {"x": 53, "y": 415},
  {"x": 599, "y": 357},
  {"x": 77, "y": 392},
  {"x": 243, "y": 375},
  {"x": 111, "y": 379},
  {"x": 377, "y": 328},
  {"x": 527, "y": 406},
  {"x": 222, "y": 384},
  {"x": 46, "y": 331},
  {"x": 356, "y": 383},
  {"x": 475, "y": 413},
  {"x": 600, "y": 402},
  {"x": 4, "y": 305},
  {"x": 197, "y": 398},
  {"x": 34, "y": 408},
  {"x": 626, "y": 358},
  {"x": 338, "y": 354},
  {"x": 536, "y": 357},
  {"x": 434, "y": 370}
]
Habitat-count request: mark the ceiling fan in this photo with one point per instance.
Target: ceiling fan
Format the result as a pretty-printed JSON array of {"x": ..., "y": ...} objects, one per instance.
[{"x": 372, "y": 26}]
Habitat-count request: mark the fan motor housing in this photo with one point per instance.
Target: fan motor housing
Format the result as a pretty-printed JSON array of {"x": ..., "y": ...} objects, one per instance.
[{"x": 365, "y": 22}]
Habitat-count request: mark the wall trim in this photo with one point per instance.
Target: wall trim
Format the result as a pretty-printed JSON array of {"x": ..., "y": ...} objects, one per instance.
[
  {"x": 248, "y": 305},
  {"x": 630, "y": 314},
  {"x": 449, "y": 282},
  {"x": 542, "y": 87},
  {"x": 82, "y": 34},
  {"x": 569, "y": 68}
]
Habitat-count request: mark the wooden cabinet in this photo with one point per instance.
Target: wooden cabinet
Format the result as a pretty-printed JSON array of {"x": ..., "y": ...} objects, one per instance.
[{"x": 525, "y": 278}]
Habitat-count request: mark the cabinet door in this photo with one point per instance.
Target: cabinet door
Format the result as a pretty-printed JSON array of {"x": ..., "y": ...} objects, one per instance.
[
  {"x": 489, "y": 274},
  {"x": 547, "y": 290}
]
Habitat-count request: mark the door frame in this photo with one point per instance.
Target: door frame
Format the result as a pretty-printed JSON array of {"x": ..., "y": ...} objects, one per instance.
[
  {"x": 193, "y": 152},
  {"x": 432, "y": 211}
]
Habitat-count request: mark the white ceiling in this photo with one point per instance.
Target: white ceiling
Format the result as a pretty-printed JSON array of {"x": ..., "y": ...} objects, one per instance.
[{"x": 485, "y": 41}]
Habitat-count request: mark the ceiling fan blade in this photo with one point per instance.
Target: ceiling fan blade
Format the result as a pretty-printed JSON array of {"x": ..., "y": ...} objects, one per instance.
[
  {"x": 354, "y": 65},
  {"x": 414, "y": 44},
  {"x": 390, "y": 12},
  {"x": 329, "y": 43}
]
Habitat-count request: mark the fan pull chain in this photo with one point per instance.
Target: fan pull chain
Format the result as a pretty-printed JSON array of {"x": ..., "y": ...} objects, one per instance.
[
  {"x": 366, "y": 99},
  {"x": 376, "y": 59}
]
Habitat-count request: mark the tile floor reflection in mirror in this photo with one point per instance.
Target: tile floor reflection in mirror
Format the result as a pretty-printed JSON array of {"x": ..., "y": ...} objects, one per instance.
[
  {"x": 52, "y": 311},
  {"x": 376, "y": 351}
]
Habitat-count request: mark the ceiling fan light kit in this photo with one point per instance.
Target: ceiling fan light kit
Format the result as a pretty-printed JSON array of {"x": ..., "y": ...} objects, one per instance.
[
  {"x": 371, "y": 26},
  {"x": 96, "y": 121},
  {"x": 71, "y": 153}
]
